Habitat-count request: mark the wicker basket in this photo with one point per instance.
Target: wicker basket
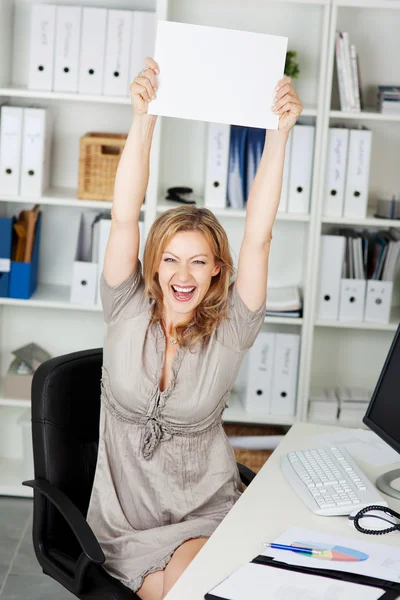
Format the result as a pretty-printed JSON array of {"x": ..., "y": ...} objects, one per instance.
[{"x": 98, "y": 162}]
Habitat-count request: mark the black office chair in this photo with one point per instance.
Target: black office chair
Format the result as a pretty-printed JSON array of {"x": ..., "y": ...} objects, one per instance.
[{"x": 65, "y": 433}]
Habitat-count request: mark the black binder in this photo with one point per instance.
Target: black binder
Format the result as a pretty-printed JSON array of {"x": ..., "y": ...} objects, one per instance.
[{"x": 391, "y": 589}]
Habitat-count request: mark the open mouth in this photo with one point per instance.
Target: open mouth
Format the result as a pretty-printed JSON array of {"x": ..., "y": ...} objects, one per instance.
[{"x": 183, "y": 294}]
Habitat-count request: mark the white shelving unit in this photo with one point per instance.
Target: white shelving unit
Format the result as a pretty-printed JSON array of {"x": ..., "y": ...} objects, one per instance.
[{"x": 350, "y": 353}]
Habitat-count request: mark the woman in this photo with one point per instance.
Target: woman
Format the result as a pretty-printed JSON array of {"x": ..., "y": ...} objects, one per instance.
[{"x": 166, "y": 475}]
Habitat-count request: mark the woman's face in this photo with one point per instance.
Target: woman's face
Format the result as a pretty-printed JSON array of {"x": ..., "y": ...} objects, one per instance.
[{"x": 185, "y": 271}]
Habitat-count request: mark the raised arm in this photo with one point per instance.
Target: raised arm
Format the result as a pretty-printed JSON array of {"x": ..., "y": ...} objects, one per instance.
[
  {"x": 263, "y": 201},
  {"x": 131, "y": 181}
]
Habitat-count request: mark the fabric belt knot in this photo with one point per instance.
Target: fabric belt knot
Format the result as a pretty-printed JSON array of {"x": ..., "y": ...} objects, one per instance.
[{"x": 155, "y": 430}]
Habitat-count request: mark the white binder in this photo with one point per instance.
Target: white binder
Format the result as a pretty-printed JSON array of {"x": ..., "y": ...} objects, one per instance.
[
  {"x": 301, "y": 167},
  {"x": 10, "y": 149},
  {"x": 84, "y": 271},
  {"x": 356, "y": 188},
  {"x": 336, "y": 171},
  {"x": 330, "y": 274},
  {"x": 352, "y": 299},
  {"x": 67, "y": 53},
  {"x": 36, "y": 146},
  {"x": 283, "y": 204},
  {"x": 260, "y": 374},
  {"x": 93, "y": 43},
  {"x": 284, "y": 385},
  {"x": 117, "y": 56},
  {"x": 378, "y": 301},
  {"x": 41, "y": 50},
  {"x": 144, "y": 30},
  {"x": 215, "y": 189}
]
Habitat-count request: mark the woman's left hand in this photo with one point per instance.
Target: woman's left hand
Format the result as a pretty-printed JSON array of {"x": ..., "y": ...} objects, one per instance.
[{"x": 287, "y": 105}]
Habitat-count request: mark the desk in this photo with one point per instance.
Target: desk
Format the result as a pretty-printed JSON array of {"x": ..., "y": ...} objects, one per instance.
[{"x": 267, "y": 508}]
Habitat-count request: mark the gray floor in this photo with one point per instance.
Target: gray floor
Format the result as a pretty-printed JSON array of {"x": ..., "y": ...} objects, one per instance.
[{"x": 21, "y": 576}]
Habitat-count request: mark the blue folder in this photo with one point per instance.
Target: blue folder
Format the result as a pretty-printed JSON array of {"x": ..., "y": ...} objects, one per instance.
[
  {"x": 23, "y": 277},
  {"x": 6, "y": 228}
]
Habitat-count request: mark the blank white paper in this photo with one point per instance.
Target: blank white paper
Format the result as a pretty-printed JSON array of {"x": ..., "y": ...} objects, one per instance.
[
  {"x": 260, "y": 582},
  {"x": 217, "y": 75}
]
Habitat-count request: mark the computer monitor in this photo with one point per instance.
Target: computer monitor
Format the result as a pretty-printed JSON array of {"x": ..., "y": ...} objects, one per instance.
[{"x": 383, "y": 413}]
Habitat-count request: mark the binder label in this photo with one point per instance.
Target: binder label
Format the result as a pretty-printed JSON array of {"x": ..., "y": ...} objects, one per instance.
[{"x": 5, "y": 265}]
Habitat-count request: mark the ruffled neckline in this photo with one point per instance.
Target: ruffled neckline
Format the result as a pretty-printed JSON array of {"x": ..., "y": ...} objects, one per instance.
[{"x": 176, "y": 362}]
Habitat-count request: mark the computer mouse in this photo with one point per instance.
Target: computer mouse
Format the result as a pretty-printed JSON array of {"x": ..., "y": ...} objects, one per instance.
[{"x": 375, "y": 520}]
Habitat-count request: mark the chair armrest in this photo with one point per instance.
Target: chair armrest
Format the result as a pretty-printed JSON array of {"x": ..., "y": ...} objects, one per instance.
[
  {"x": 246, "y": 474},
  {"x": 74, "y": 518}
]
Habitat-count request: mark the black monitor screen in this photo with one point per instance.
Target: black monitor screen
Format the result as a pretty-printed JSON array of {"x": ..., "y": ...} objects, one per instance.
[{"x": 383, "y": 414}]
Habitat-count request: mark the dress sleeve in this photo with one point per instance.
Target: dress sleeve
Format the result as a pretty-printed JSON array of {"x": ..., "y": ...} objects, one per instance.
[
  {"x": 125, "y": 300},
  {"x": 242, "y": 325}
]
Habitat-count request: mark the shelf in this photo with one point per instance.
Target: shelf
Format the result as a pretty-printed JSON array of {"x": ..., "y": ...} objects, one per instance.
[
  {"x": 369, "y": 114},
  {"x": 233, "y": 213},
  {"x": 368, "y": 221},
  {"x": 51, "y": 296},
  {"x": 284, "y": 320},
  {"x": 23, "y": 92},
  {"x": 391, "y": 326},
  {"x": 235, "y": 413},
  {"x": 60, "y": 197},
  {"x": 11, "y": 476}
]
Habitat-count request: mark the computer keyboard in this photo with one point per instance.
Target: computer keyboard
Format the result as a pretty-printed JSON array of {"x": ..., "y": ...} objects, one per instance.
[{"x": 329, "y": 481}]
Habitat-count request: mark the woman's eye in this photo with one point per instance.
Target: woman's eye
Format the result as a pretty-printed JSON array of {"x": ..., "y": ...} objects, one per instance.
[
  {"x": 168, "y": 259},
  {"x": 199, "y": 262}
]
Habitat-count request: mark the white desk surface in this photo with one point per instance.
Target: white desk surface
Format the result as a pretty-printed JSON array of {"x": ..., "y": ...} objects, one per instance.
[{"x": 266, "y": 509}]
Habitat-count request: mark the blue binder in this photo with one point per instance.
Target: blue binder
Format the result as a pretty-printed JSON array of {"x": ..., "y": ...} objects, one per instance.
[
  {"x": 23, "y": 276},
  {"x": 6, "y": 228}
]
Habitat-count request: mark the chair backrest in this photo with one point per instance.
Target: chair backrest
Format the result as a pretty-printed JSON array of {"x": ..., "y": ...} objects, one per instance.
[{"x": 65, "y": 430}]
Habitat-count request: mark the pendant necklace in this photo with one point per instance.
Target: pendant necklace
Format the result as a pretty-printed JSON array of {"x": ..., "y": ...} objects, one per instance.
[{"x": 171, "y": 338}]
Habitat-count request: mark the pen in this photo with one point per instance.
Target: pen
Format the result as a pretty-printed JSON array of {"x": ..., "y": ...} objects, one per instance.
[{"x": 298, "y": 549}]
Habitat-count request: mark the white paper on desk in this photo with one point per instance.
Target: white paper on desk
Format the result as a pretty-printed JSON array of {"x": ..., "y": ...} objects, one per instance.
[
  {"x": 383, "y": 560},
  {"x": 217, "y": 75},
  {"x": 362, "y": 444},
  {"x": 260, "y": 582}
]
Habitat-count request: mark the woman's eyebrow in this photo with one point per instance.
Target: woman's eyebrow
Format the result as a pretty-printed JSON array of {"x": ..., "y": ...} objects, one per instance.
[{"x": 195, "y": 256}]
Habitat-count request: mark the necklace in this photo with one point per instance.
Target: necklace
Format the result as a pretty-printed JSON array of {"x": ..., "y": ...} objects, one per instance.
[{"x": 171, "y": 338}]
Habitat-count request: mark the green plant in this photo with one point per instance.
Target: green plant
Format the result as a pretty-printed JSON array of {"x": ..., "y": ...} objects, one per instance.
[{"x": 292, "y": 68}]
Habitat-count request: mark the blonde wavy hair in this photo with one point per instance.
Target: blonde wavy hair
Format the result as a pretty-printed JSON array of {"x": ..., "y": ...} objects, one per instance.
[{"x": 212, "y": 308}]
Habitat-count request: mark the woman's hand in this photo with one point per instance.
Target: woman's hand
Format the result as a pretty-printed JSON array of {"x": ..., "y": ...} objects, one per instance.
[
  {"x": 287, "y": 105},
  {"x": 144, "y": 87}
]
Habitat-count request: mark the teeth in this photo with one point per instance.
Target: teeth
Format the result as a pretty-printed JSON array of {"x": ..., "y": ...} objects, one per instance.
[{"x": 181, "y": 289}]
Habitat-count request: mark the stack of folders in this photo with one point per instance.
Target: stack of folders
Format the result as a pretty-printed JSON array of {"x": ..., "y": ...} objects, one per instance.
[
  {"x": 284, "y": 301},
  {"x": 233, "y": 155},
  {"x": 389, "y": 99},
  {"x": 272, "y": 374},
  {"x": 323, "y": 405},
  {"x": 347, "y": 175},
  {"x": 93, "y": 234},
  {"x": 348, "y": 73},
  {"x": 353, "y": 404},
  {"x": 88, "y": 50},
  {"x": 25, "y": 145},
  {"x": 356, "y": 275}
]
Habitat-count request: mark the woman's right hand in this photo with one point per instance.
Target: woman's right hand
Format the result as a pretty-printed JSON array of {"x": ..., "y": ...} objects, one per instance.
[{"x": 143, "y": 88}]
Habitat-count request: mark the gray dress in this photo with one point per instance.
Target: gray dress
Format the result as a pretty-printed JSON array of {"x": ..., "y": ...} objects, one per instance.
[{"x": 165, "y": 470}]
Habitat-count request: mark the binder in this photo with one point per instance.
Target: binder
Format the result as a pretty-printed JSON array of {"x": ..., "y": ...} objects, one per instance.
[
  {"x": 260, "y": 374},
  {"x": 84, "y": 271},
  {"x": 36, "y": 147},
  {"x": 144, "y": 30},
  {"x": 6, "y": 228},
  {"x": 284, "y": 384},
  {"x": 330, "y": 274},
  {"x": 236, "y": 186},
  {"x": 336, "y": 171},
  {"x": 352, "y": 299},
  {"x": 356, "y": 187},
  {"x": 10, "y": 149},
  {"x": 283, "y": 203},
  {"x": 41, "y": 50},
  {"x": 391, "y": 590},
  {"x": 93, "y": 42},
  {"x": 301, "y": 166},
  {"x": 378, "y": 301},
  {"x": 67, "y": 48},
  {"x": 118, "y": 45},
  {"x": 24, "y": 275},
  {"x": 215, "y": 189}
]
